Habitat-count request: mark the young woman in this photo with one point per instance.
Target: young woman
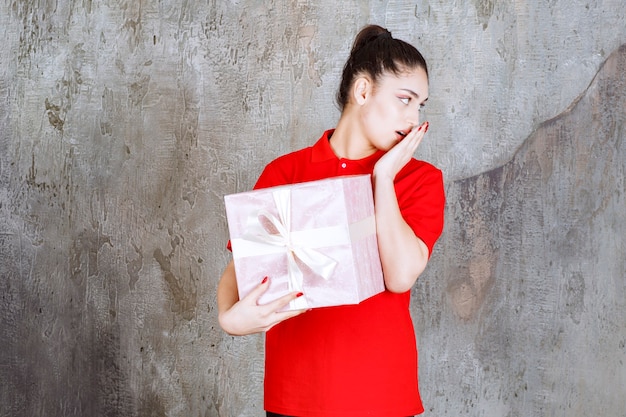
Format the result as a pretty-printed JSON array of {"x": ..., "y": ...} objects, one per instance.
[{"x": 358, "y": 360}]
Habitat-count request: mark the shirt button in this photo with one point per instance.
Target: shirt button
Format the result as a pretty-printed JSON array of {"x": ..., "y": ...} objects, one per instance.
[{"x": 343, "y": 164}]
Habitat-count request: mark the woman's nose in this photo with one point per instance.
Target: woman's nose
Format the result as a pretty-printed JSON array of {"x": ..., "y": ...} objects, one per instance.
[{"x": 414, "y": 118}]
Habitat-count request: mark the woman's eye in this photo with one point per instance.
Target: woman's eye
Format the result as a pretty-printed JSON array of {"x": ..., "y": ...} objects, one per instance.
[{"x": 405, "y": 100}]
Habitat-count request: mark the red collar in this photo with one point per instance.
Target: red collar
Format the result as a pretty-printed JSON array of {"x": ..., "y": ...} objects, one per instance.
[{"x": 322, "y": 152}]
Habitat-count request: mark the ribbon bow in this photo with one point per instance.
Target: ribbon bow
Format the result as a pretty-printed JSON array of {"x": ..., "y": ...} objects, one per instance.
[{"x": 296, "y": 244}]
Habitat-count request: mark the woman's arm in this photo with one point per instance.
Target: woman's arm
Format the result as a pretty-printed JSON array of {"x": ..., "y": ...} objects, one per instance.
[
  {"x": 245, "y": 316},
  {"x": 403, "y": 255}
]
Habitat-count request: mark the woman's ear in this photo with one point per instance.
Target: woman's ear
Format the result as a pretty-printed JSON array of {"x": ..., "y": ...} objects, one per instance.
[{"x": 361, "y": 90}]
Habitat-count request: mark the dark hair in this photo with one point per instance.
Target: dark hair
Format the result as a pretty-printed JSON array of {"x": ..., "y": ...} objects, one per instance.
[{"x": 374, "y": 52}]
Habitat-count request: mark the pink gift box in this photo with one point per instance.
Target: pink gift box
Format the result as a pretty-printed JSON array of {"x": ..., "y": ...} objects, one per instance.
[{"x": 316, "y": 237}]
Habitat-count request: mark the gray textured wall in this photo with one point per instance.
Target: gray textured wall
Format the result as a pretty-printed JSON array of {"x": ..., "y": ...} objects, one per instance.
[{"x": 123, "y": 124}]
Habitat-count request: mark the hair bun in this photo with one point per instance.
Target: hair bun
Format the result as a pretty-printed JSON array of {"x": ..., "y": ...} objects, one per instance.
[
  {"x": 369, "y": 34},
  {"x": 385, "y": 34}
]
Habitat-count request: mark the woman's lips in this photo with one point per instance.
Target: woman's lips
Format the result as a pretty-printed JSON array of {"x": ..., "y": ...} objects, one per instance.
[{"x": 401, "y": 134}]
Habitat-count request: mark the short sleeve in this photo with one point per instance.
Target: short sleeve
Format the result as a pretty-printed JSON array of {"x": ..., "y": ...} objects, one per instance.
[
  {"x": 421, "y": 198},
  {"x": 270, "y": 177}
]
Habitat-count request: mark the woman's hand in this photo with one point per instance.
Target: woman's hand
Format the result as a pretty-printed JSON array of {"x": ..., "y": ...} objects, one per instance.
[
  {"x": 397, "y": 157},
  {"x": 246, "y": 316}
]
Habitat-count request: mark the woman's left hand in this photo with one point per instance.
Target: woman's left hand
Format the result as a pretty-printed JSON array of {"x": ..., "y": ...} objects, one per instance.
[{"x": 397, "y": 157}]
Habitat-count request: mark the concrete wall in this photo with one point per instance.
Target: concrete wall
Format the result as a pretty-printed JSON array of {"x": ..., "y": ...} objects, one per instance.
[{"x": 123, "y": 124}]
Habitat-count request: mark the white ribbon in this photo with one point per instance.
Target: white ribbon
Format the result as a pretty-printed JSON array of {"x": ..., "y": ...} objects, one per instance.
[{"x": 257, "y": 240}]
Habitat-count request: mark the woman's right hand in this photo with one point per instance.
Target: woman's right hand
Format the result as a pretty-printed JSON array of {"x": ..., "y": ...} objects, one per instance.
[{"x": 246, "y": 316}]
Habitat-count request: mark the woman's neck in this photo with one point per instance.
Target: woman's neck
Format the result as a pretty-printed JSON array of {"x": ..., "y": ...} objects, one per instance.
[{"x": 349, "y": 141}]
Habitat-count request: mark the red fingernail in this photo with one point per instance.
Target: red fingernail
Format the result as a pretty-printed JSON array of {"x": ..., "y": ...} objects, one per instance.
[
  {"x": 426, "y": 129},
  {"x": 300, "y": 294},
  {"x": 264, "y": 280}
]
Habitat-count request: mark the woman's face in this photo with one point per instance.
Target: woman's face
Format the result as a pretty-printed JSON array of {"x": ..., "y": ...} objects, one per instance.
[{"x": 393, "y": 106}]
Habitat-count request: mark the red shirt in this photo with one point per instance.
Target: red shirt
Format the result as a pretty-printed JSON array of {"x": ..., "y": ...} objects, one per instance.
[{"x": 357, "y": 360}]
